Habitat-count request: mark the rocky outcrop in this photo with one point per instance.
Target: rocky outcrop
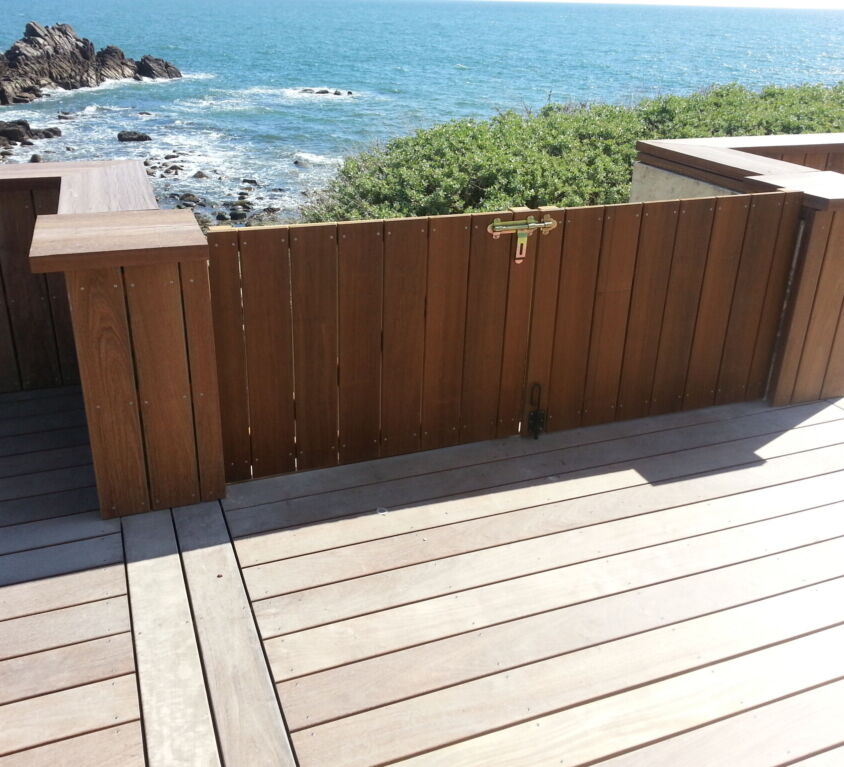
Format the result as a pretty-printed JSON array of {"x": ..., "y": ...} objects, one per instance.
[
  {"x": 132, "y": 135},
  {"x": 20, "y": 132},
  {"x": 57, "y": 57}
]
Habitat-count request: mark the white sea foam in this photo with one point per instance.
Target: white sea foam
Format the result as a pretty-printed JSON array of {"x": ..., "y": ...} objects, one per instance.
[{"x": 317, "y": 159}]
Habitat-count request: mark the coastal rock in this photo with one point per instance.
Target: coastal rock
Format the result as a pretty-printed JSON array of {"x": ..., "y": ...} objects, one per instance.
[
  {"x": 200, "y": 174},
  {"x": 132, "y": 135},
  {"x": 36, "y": 158},
  {"x": 57, "y": 57},
  {"x": 20, "y": 131}
]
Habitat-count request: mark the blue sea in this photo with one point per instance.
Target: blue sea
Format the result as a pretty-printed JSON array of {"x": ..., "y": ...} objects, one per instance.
[{"x": 239, "y": 111}]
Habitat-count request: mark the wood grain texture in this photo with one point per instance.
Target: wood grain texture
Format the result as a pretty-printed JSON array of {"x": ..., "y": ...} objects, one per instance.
[
  {"x": 26, "y": 295},
  {"x": 405, "y": 275},
  {"x": 647, "y": 304},
  {"x": 681, "y": 304},
  {"x": 445, "y": 327},
  {"x": 230, "y": 345},
  {"x": 49, "y": 532},
  {"x": 156, "y": 320},
  {"x": 619, "y": 244},
  {"x": 10, "y": 379},
  {"x": 176, "y": 713},
  {"x": 104, "y": 348},
  {"x": 265, "y": 269},
  {"x": 64, "y": 714},
  {"x": 716, "y": 297},
  {"x": 313, "y": 263},
  {"x": 360, "y": 284},
  {"x": 486, "y": 308},
  {"x": 757, "y": 258},
  {"x": 578, "y": 276},
  {"x": 245, "y": 709},
  {"x": 120, "y": 746},
  {"x": 202, "y": 361}
]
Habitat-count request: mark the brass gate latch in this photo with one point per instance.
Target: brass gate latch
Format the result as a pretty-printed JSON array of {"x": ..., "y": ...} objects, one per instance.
[{"x": 522, "y": 230}]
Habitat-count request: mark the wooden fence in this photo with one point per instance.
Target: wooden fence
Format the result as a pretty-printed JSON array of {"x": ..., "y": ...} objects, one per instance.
[
  {"x": 345, "y": 342},
  {"x": 36, "y": 335}
]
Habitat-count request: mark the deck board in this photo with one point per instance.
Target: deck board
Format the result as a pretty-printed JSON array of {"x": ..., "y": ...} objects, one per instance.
[{"x": 120, "y": 746}]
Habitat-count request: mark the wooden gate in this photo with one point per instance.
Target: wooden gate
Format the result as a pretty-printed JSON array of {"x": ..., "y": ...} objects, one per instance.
[{"x": 345, "y": 342}]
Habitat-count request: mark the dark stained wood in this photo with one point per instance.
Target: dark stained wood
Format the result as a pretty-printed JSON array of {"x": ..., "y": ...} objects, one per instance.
[
  {"x": 799, "y": 310},
  {"x": 751, "y": 284},
  {"x": 716, "y": 297},
  {"x": 405, "y": 276},
  {"x": 544, "y": 314},
  {"x": 9, "y": 373},
  {"x": 27, "y": 297},
  {"x": 46, "y": 200},
  {"x": 617, "y": 266},
  {"x": 775, "y": 296},
  {"x": 98, "y": 307},
  {"x": 795, "y": 156},
  {"x": 835, "y": 161},
  {"x": 361, "y": 276},
  {"x": 816, "y": 160},
  {"x": 154, "y": 299},
  {"x": 489, "y": 264},
  {"x": 823, "y": 324},
  {"x": 313, "y": 258},
  {"x": 445, "y": 325},
  {"x": 512, "y": 397},
  {"x": 227, "y": 312},
  {"x": 202, "y": 363},
  {"x": 578, "y": 276},
  {"x": 265, "y": 267},
  {"x": 684, "y": 285}
]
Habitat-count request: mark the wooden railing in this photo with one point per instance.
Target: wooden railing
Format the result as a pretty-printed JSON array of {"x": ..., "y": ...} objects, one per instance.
[
  {"x": 344, "y": 342},
  {"x": 331, "y": 343}
]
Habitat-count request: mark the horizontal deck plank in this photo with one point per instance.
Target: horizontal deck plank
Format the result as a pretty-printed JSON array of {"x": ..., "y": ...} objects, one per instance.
[
  {"x": 22, "y": 510},
  {"x": 64, "y": 714},
  {"x": 832, "y": 758},
  {"x": 120, "y": 746},
  {"x": 365, "y": 636},
  {"x": 385, "y": 679},
  {"x": 320, "y": 481},
  {"x": 60, "y": 591},
  {"x": 402, "y": 551},
  {"x": 27, "y": 444},
  {"x": 31, "y": 424},
  {"x": 52, "y": 481},
  {"x": 57, "y": 403},
  {"x": 34, "y": 394},
  {"x": 771, "y": 735},
  {"x": 501, "y": 700},
  {"x": 656, "y": 711},
  {"x": 45, "y": 460},
  {"x": 50, "y": 532},
  {"x": 28, "y": 676},
  {"x": 595, "y": 468},
  {"x": 61, "y": 558},
  {"x": 45, "y": 631}
]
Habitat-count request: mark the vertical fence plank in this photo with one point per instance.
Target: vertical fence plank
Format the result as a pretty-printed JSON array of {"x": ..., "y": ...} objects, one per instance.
[
  {"x": 156, "y": 321},
  {"x": 795, "y": 156},
  {"x": 543, "y": 320},
  {"x": 612, "y": 308},
  {"x": 576, "y": 298},
  {"x": 716, "y": 296},
  {"x": 835, "y": 162},
  {"x": 313, "y": 259},
  {"x": 202, "y": 360},
  {"x": 822, "y": 326},
  {"x": 816, "y": 160},
  {"x": 647, "y": 304},
  {"x": 684, "y": 285},
  {"x": 265, "y": 271},
  {"x": 405, "y": 274},
  {"x": 511, "y": 400},
  {"x": 98, "y": 308},
  {"x": 751, "y": 283},
  {"x": 46, "y": 200},
  {"x": 772, "y": 308},
  {"x": 10, "y": 379},
  {"x": 227, "y": 311},
  {"x": 27, "y": 298},
  {"x": 361, "y": 272},
  {"x": 489, "y": 261},
  {"x": 445, "y": 325},
  {"x": 833, "y": 384}
]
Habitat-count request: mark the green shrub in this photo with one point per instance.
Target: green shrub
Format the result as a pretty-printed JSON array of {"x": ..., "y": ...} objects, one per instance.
[{"x": 563, "y": 154}]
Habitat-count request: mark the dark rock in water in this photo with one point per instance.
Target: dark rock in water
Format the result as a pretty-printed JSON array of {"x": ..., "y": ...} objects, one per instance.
[
  {"x": 189, "y": 197},
  {"x": 70, "y": 149},
  {"x": 4, "y": 142},
  {"x": 20, "y": 131},
  {"x": 238, "y": 215},
  {"x": 337, "y": 93},
  {"x": 145, "y": 113},
  {"x": 306, "y": 90},
  {"x": 132, "y": 135},
  {"x": 27, "y": 142},
  {"x": 200, "y": 174},
  {"x": 221, "y": 216},
  {"x": 322, "y": 92},
  {"x": 36, "y": 158},
  {"x": 57, "y": 57},
  {"x": 249, "y": 181},
  {"x": 170, "y": 156},
  {"x": 66, "y": 117},
  {"x": 348, "y": 93},
  {"x": 300, "y": 163}
]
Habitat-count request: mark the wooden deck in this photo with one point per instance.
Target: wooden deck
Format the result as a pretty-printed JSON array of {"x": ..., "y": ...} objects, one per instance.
[{"x": 660, "y": 592}]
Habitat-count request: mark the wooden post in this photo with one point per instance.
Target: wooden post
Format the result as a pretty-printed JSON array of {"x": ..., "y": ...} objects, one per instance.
[{"x": 140, "y": 302}]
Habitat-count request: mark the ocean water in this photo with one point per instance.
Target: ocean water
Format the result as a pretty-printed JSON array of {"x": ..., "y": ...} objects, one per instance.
[{"x": 239, "y": 111}]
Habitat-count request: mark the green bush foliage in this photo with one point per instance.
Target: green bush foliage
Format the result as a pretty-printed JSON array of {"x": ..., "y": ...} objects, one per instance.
[{"x": 563, "y": 154}]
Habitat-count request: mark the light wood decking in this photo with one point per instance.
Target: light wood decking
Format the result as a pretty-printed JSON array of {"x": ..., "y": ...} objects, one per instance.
[{"x": 656, "y": 592}]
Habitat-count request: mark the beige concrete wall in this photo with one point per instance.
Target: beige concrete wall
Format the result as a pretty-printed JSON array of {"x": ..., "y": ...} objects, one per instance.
[{"x": 651, "y": 183}]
